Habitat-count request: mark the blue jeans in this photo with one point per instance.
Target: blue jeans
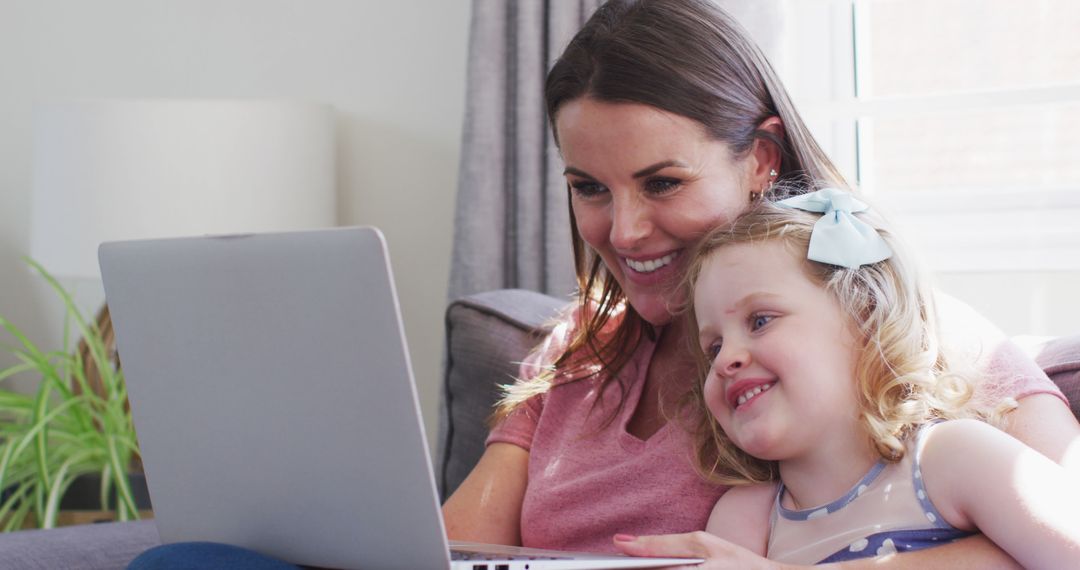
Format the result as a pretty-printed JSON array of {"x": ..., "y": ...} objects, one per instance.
[{"x": 205, "y": 555}]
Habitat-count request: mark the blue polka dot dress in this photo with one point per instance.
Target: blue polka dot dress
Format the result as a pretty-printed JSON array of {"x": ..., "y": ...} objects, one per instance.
[{"x": 887, "y": 511}]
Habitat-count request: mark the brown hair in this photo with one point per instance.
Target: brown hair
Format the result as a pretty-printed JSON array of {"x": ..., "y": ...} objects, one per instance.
[
  {"x": 686, "y": 57},
  {"x": 903, "y": 380}
]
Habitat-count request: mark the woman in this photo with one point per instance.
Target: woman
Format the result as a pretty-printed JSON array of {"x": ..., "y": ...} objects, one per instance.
[{"x": 670, "y": 122}]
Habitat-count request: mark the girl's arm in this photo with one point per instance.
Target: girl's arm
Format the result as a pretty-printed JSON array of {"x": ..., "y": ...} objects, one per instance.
[
  {"x": 978, "y": 476},
  {"x": 487, "y": 505}
]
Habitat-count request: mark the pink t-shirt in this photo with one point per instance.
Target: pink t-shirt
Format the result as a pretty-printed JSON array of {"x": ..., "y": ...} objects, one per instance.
[{"x": 588, "y": 482}]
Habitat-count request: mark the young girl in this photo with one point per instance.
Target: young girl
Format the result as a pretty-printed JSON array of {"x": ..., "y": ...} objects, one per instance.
[{"x": 835, "y": 414}]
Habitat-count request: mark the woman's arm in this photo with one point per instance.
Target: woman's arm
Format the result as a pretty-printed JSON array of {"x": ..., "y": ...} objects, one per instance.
[
  {"x": 1043, "y": 420},
  {"x": 741, "y": 516},
  {"x": 979, "y": 477},
  {"x": 1044, "y": 423},
  {"x": 487, "y": 505}
]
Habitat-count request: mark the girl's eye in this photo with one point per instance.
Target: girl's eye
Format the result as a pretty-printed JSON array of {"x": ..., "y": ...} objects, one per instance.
[
  {"x": 758, "y": 321},
  {"x": 586, "y": 188},
  {"x": 713, "y": 350},
  {"x": 661, "y": 185}
]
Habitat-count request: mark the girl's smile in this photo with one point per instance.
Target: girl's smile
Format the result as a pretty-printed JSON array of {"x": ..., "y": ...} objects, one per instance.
[{"x": 742, "y": 392}]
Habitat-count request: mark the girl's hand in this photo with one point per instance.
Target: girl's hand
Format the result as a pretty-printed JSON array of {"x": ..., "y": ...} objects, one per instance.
[{"x": 718, "y": 553}]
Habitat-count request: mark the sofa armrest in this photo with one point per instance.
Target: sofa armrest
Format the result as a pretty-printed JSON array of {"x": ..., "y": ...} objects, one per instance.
[
  {"x": 100, "y": 546},
  {"x": 487, "y": 336}
]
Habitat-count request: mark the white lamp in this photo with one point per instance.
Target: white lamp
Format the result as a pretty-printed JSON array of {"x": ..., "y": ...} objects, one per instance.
[{"x": 126, "y": 169}]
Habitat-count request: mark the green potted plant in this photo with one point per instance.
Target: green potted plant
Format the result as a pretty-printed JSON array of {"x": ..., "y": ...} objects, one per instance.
[{"x": 77, "y": 423}]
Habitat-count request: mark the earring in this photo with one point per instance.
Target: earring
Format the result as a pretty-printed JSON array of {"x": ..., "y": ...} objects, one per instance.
[{"x": 755, "y": 196}]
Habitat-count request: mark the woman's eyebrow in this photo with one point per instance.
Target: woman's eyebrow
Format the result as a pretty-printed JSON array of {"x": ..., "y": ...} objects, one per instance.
[
  {"x": 578, "y": 172},
  {"x": 639, "y": 174},
  {"x": 659, "y": 166}
]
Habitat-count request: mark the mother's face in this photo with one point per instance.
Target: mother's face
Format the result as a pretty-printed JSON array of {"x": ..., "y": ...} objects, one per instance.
[{"x": 645, "y": 185}]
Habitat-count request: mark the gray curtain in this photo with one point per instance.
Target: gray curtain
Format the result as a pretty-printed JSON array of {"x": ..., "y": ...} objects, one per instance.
[{"x": 511, "y": 225}]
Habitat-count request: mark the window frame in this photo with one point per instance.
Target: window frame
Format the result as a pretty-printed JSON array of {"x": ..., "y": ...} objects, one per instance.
[{"x": 960, "y": 230}]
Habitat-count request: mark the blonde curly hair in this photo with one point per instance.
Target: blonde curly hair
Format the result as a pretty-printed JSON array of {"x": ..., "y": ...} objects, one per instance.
[{"x": 902, "y": 377}]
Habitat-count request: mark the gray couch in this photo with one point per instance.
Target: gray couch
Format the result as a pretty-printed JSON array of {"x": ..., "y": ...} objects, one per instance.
[{"x": 487, "y": 335}]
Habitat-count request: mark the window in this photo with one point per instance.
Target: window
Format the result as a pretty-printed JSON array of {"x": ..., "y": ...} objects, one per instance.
[{"x": 961, "y": 118}]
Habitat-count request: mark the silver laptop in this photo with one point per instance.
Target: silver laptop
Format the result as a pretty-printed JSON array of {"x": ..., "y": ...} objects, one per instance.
[{"x": 275, "y": 405}]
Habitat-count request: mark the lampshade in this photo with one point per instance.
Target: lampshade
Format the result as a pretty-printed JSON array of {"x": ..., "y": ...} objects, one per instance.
[{"x": 127, "y": 169}]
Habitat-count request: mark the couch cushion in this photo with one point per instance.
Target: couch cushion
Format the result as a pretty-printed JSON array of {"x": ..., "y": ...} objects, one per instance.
[
  {"x": 100, "y": 546},
  {"x": 1060, "y": 358},
  {"x": 487, "y": 336}
]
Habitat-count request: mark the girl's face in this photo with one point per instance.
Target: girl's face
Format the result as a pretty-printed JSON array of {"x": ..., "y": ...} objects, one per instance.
[
  {"x": 645, "y": 184},
  {"x": 782, "y": 381}
]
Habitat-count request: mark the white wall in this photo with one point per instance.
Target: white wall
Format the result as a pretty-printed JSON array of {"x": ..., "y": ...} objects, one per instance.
[{"x": 394, "y": 71}]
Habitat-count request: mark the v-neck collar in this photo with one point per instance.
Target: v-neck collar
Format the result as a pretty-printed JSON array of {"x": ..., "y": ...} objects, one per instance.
[{"x": 641, "y": 363}]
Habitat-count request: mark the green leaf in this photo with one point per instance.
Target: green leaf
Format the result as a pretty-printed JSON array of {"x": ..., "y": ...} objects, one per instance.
[
  {"x": 106, "y": 484},
  {"x": 15, "y": 402},
  {"x": 118, "y": 461},
  {"x": 18, "y": 495},
  {"x": 18, "y": 334},
  {"x": 90, "y": 332},
  {"x": 18, "y": 516},
  {"x": 61, "y": 481},
  {"x": 41, "y": 434},
  {"x": 66, "y": 429},
  {"x": 16, "y": 369},
  {"x": 6, "y": 460},
  {"x": 31, "y": 436}
]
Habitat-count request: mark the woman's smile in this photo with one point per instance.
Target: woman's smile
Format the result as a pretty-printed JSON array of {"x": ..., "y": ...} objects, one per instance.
[{"x": 651, "y": 265}]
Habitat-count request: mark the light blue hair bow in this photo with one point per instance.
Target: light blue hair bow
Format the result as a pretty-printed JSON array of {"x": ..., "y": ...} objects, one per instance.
[{"x": 839, "y": 238}]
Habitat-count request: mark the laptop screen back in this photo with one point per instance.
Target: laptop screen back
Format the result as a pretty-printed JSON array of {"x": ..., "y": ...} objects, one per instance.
[{"x": 273, "y": 398}]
